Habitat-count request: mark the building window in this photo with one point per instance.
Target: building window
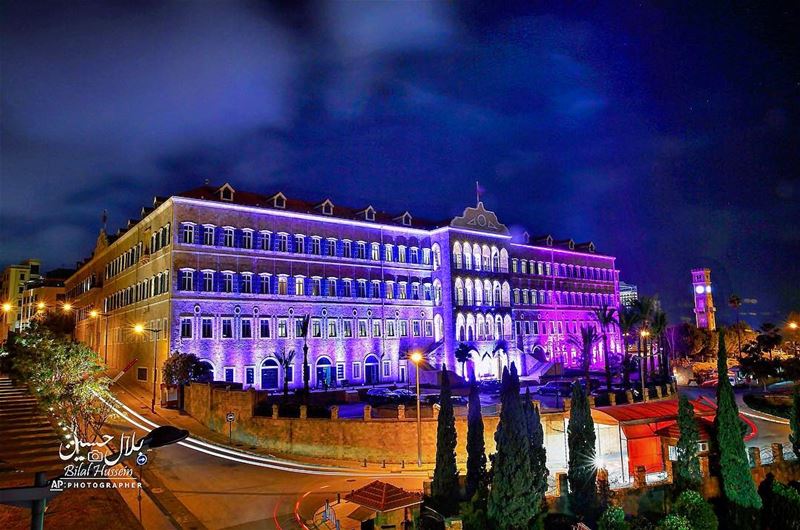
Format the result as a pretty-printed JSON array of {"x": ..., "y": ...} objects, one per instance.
[
  {"x": 186, "y": 328},
  {"x": 414, "y": 255},
  {"x": 188, "y": 233},
  {"x": 356, "y": 371},
  {"x": 347, "y": 249},
  {"x": 227, "y": 237},
  {"x": 415, "y": 291},
  {"x": 208, "y": 281},
  {"x": 376, "y": 289},
  {"x": 227, "y": 282},
  {"x": 347, "y": 328},
  {"x": 299, "y": 286},
  {"x": 229, "y": 375},
  {"x": 298, "y": 328},
  {"x": 404, "y": 328},
  {"x": 389, "y": 290},
  {"x": 339, "y": 371},
  {"x": 402, "y": 290},
  {"x": 316, "y": 246},
  {"x": 299, "y": 243},
  {"x": 264, "y": 287},
  {"x": 288, "y": 373},
  {"x": 388, "y": 250},
  {"x": 316, "y": 287},
  {"x": 246, "y": 329},
  {"x": 361, "y": 250},
  {"x": 429, "y": 328},
  {"x": 227, "y": 328},
  {"x": 316, "y": 328},
  {"x": 390, "y": 329},
  {"x": 376, "y": 328},
  {"x": 247, "y": 239},
  {"x": 207, "y": 330},
  {"x": 264, "y": 328},
  {"x": 187, "y": 280},
  {"x": 283, "y": 242},
  {"x": 283, "y": 328},
  {"x": 331, "y": 287},
  {"x": 266, "y": 240},
  {"x": 387, "y": 371},
  {"x": 141, "y": 374},
  {"x": 375, "y": 254},
  {"x": 331, "y": 328},
  {"x": 331, "y": 247},
  {"x": 362, "y": 288},
  {"x": 401, "y": 254},
  {"x": 283, "y": 285},
  {"x": 208, "y": 235},
  {"x": 247, "y": 283},
  {"x": 347, "y": 288},
  {"x": 416, "y": 328},
  {"x": 362, "y": 328},
  {"x": 249, "y": 375}
]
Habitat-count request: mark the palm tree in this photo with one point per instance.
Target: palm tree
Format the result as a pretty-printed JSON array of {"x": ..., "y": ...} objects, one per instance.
[
  {"x": 585, "y": 342},
  {"x": 735, "y": 302},
  {"x": 628, "y": 320},
  {"x": 285, "y": 360},
  {"x": 645, "y": 306},
  {"x": 658, "y": 327},
  {"x": 605, "y": 316},
  {"x": 463, "y": 354}
]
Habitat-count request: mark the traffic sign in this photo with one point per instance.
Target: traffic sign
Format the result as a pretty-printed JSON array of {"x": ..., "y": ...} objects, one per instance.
[
  {"x": 141, "y": 459},
  {"x": 230, "y": 417}
]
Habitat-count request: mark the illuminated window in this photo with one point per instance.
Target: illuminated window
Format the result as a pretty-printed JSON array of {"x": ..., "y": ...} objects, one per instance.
[
  {"x": 416, "y": 328},
  {"x": 316, "y": 287},
  {"x": 187, "y": 280},
  {"x": 388, "y": 250},
  {"x": 299, "y": 286},
  {"x": 347, "y": 328},
  {"x": 404, "y": 328},
  {"x": 375, "y": 252},
  {"x": 247, "y": 239},
  {"x": 316, "y": 246},
  {"x": 227, "y": 237},
  {"x": 283, "y": 328},
  {"x": 266, "y": 240},
  {"x": 331, "y": 327},
  {"x": 283, "y": 283},
  {"x": 208, "y": 235},
  {"x": 376, "y": 328},
  {"x": 362, "y": 328},
  {"x": 187, "y": 230}
]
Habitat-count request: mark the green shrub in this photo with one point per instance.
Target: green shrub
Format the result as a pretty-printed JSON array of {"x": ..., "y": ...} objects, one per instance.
[
  {"x": 696, "y": 510},
  {"x": 674, "y": 522},
  {"x": 781, "y": 505},
  {"x": 613, "y": 519}
]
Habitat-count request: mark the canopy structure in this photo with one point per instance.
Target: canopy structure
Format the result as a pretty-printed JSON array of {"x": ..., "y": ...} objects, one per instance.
[{"x": 383, "y": 497}]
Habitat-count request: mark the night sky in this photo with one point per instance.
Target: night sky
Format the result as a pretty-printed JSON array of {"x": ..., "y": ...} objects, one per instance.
[{"x": 667, "y": 135}]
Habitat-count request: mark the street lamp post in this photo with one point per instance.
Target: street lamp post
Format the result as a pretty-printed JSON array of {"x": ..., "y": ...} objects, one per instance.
[
  {"x": 416, "y": 358},
  {"x": 96, "y": 314},
  {"x": 644, "y": 334},
  {"x": 139, "y": 328}
]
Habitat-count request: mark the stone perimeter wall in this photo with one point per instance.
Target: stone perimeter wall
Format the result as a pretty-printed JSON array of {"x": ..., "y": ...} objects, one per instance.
[{"x": 374, "y": 439}]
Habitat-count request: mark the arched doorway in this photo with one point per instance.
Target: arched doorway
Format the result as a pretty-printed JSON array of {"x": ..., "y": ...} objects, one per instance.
[
  {"x": 371, "y": 373},
  {"x": 324, "y": 372},
  {"x": 208, "y": 376},
  {"x": 269, "y": 373}
]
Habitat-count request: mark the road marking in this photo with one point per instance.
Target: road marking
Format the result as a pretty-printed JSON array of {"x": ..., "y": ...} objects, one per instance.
[{"x": 275, "y": 515}]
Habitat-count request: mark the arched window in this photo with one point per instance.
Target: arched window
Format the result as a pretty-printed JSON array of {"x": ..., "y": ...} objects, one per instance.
[
  {"x": 468, "y": 291},
  {"x": 437, "y": 256},
  {"x": 487, "y": 292},
  {"x": 506, "y": 294},
  {"x": 324, "y": 372},
  {"x": 467, "y": 256},
  {"x": 460, "y": 328},
  {"x": 487, "y": 258},
  {"x": 371, "y": 370},
  {"x": 503, "y": 260},
  {"x": 210, "y": 374},
  {"x": 476, "y": 257},
  {"x": 437, "y": 292},
  {"x": 438, "y": 328},
  {"x": 457, "y": 256},
  {"x": 459, "y": 292},
  {"x": 495, "y": 259},
  {"x": 470, "y": 327},
  {"x": 498, "y": 298}
]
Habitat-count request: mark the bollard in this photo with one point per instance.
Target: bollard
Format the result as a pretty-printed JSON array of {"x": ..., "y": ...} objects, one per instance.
[
  {"x": 704, "y": 466},
  {"x": 402, "y": 464},
  {"x": 562, "y": 484},
  {"x": 612, "y": 398},
  {"x": 401, "y": 412},
  {"x": 384, "y": 464},
  {"x": 629, "y": 396},
  {"x": 436, "y": 409},
  {"x": 365, "y": 462},
  {"x": 275, "y": 413},
  {"x": 755, "y": 456},
  {"x": 658, "y": 391},
  {"x": 777, "y": 453},
  {"x": 367, "y": 412},
  {"x": 567, "y": 403},
  {"x": 640, "y": 477},
  {"x": 303, "y": 412},
  {"x": 335, "y": 412}
]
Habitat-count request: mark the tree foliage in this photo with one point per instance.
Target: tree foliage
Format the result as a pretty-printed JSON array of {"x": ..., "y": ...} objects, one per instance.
[
  {"x": 581, "y": 473},
  {"x": 181, "y": 368},
  {"x": 738, "y": 487},
  {"x": 687, "y": 466},
  {"x": 674, "y": 521},
  {"x": 613, "y": 519},
  {"x": 64, "y": 375},
  {"x": 512, "y": 499},
  {"x": 585, "y": 343},
  {"x": 696, "y": 510},
  {"x": 538, "y": 451},
  {"x": 476, "y": 447},
  {"x": 444, "y": 488},
  {"x": 794, "y": 422},
  {"x": 606, "y": 317},
  {"x": 781, "y": 505}
]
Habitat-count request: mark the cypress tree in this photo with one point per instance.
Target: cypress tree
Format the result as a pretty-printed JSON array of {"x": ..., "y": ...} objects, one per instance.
[
  {"x": 737, "y": 483},
  {"x": 581, "y": 473},
  {"x": 444, "y": 488},
  {"x": 538, "y": 452},
  {"x": 794, "y": 422},
  {"x": 512, "y": 499},
  {"x": 476, "y": 447},
  {"x": 687, "y": 466}
]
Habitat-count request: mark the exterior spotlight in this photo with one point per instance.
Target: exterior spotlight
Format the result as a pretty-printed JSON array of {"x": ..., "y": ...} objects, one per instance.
[
  {"x": 138, "y": 328},
  {"x": 6, "y": 307},
  {"x": 93, "y": 313},
  {"x": 792, "y": 325},
  {"x": 40, "y": 306},
  {"x": 67, "y": 306}
]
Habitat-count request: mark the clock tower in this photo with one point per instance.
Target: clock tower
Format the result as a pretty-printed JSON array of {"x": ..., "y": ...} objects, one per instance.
[{"x": 703, "y": 301}]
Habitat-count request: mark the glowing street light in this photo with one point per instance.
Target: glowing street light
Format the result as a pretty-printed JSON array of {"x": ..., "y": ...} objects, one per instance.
[
  {"x": 139, "y": 329},
  {"x": 41, "y": 306},
  {"x": 6, "y": 307},
  {"x": 67, "y": 307},
  {"x": 416, "y": 358},
  {"x": 644, "y": 334},
  {"x": 792, "y": 325}
]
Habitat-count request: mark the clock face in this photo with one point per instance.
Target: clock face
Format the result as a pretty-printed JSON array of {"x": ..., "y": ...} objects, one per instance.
[
  {"x": 708, "y": 288},
  {"x": 699, "y": 289}
]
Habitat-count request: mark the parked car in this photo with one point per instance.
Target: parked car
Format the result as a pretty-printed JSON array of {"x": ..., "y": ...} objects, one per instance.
[
  {"x": 712, "y": 383},
  {"x": 404, "y": 396},
  {"x": 489, "y": 386},
  {"x": 455, "y": 400},
  {"x": 379, "y": 396},
  {"x": 555, "y": 388}
]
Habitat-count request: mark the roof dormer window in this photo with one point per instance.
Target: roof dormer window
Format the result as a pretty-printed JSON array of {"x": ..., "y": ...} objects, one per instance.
[
  {"x": 368, "y": 213},
  {"x": 326, "y": 207},
  {"x": 571, "y": 244},
  {"x": 226, "y": 193},
  {"x": 404, "y": 219},
  {"x": 549, "y": 241},
  {"x": 279, "y": 200}
]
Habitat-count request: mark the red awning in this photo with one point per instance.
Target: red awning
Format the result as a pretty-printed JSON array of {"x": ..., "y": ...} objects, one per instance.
[
  {"x": 383, "y": 497},
  {"x": 654, "y": 411}
]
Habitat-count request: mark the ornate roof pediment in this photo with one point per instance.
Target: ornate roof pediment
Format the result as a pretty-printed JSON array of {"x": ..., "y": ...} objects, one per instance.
[{"x": 480, "y": 219}]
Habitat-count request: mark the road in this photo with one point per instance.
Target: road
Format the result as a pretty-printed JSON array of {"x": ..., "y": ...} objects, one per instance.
[{"x": 235, "y": 490}]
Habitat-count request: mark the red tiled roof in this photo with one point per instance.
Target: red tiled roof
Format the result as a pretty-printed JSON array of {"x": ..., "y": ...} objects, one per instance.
[
  {"x": 383, "y": 497},
  {"x": 652, "y": 411},
  {"x": 704, "y": 425}
]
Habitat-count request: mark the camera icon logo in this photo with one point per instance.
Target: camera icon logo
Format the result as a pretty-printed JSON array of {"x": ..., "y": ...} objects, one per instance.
[{"x": 95, "y": 456}]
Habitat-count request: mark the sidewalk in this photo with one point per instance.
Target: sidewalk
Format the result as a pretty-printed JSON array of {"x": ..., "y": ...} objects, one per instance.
[{"x": 139, "y": 400}]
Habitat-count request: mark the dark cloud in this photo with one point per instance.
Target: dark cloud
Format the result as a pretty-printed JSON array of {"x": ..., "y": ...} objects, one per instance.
[{"x": 666, "y": 135}]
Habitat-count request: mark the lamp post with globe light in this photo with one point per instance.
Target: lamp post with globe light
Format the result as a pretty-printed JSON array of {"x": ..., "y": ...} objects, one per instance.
[
  {"x": 139, "y": 329},
  {"x": 416, "y": 358}
]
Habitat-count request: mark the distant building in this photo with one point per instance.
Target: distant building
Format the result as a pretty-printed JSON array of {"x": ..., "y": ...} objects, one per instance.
[
  {"x": 703, "y": 301},
  {"x": 42, "y": 295},
  {"x": 628, "y": 293},
  {"x": 12, "y": 287}
]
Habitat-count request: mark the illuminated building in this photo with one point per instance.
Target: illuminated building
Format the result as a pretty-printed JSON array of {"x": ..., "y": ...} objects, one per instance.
[
  {"x": 628, "y": 294},
  {"x": 229, "y": 275},
  {"x": 12, "y": 287}
]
